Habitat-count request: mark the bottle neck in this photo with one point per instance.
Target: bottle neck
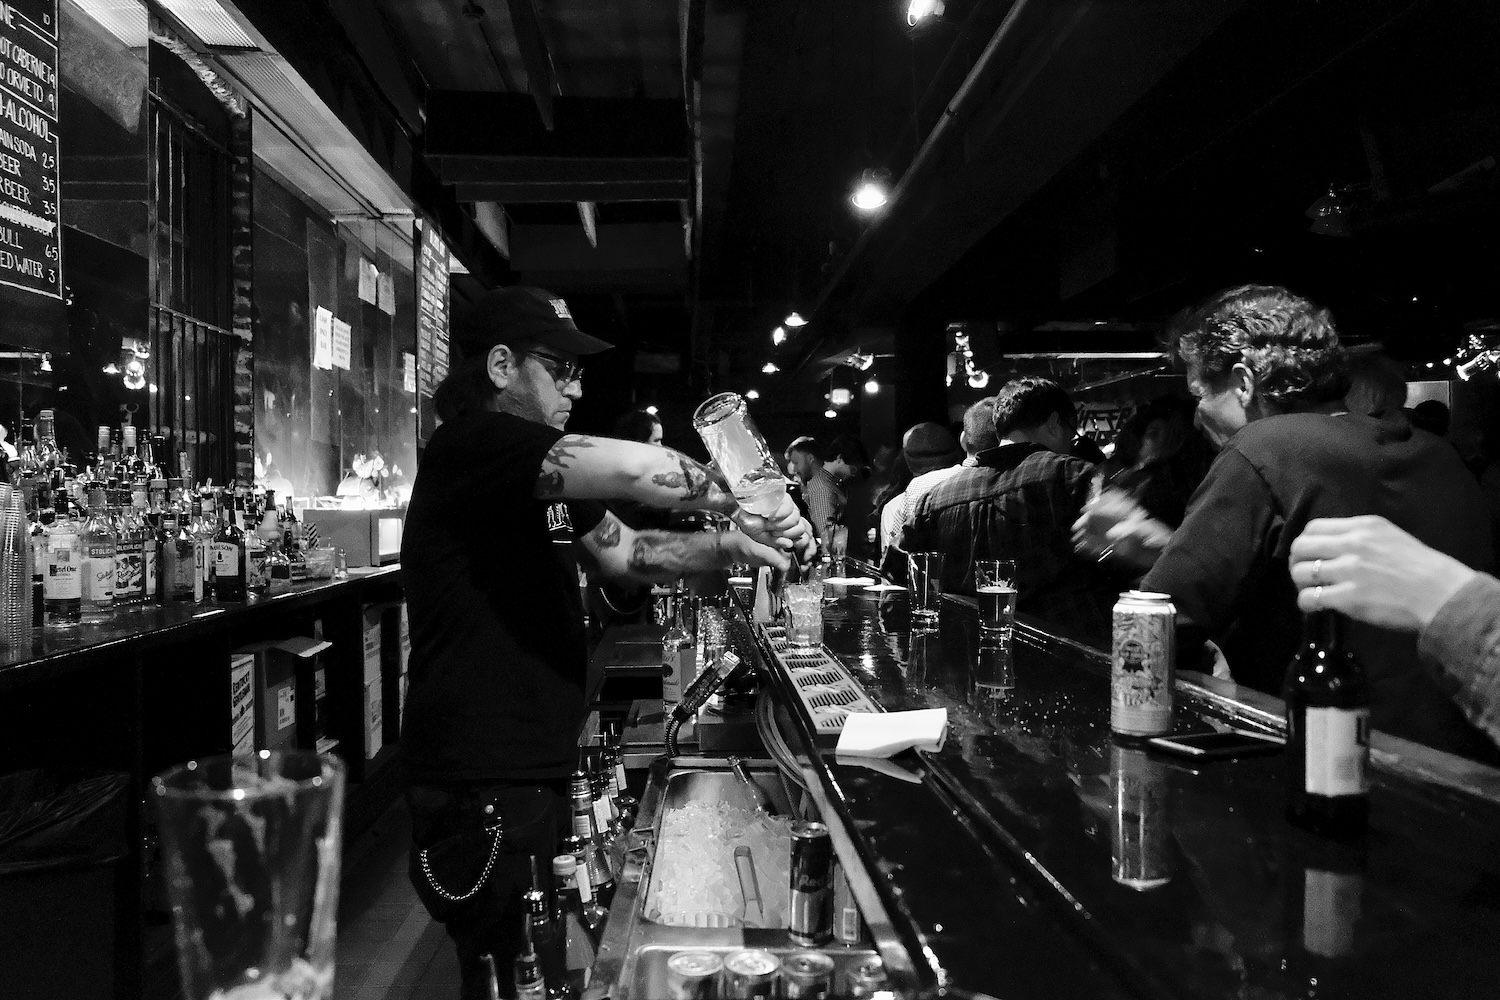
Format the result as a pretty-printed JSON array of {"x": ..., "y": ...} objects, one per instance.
[{"x": 1324, "y": 629}]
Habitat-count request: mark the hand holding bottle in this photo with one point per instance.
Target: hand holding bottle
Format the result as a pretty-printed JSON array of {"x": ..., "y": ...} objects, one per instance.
[
  {"x": 1114, "y": 525},
  {"x": 1371, "y": 570}
]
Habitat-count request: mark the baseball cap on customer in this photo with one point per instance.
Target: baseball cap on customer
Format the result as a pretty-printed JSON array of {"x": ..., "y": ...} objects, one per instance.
[
  {"x": 521, "y": 316},
  {"x": 928, "y": 447}
]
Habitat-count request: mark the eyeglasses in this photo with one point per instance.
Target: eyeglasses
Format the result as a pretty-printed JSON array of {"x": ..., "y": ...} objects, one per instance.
[{"x": 564, "y": 373}]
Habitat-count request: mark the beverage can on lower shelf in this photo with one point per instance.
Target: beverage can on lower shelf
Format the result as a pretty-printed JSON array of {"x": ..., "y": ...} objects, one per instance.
[
  {"x": 694, "y": 975},
  {"x": 807, "y": 975},
  {"x": 1142, "y": 664},
  {"x": 867, "y": 979},
  {"x": 750, "y": 975},
  {"x": 811, "y": 910}
]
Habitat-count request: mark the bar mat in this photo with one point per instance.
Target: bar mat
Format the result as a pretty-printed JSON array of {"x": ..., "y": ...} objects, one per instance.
[{"x": 828, "y": 691}]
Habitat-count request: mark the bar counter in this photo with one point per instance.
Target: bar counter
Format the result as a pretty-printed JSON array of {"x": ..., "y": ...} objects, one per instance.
[{"x": 997, "y": 856}]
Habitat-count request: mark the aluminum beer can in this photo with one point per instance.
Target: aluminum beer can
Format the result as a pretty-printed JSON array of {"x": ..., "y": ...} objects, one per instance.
[
  {"x": 867, "y": 979},
  {"x": 1141, "y": 831},
  {"x": 694, "y": 975},
  {"x": 848, "y": 928},
  {"x": 807, "y": 975},
  {"x": 1143, "y": 664},
  {"x": 811, "y": 912},
  {"x": 750, "y": 975}
]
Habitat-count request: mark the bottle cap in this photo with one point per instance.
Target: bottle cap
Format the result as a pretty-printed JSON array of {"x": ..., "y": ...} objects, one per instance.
[{"x": 564, "y": 865}]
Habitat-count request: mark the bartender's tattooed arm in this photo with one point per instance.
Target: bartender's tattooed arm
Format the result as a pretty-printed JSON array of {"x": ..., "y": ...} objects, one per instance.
[
  {"x": 580, "y": 467},
  {"x": 653, "y": 556}
]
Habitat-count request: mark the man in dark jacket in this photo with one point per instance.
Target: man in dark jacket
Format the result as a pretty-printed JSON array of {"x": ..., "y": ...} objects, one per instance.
[{"x": 1020, "y": 502}]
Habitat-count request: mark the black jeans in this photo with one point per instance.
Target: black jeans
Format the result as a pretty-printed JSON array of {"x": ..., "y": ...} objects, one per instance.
[{"x": 451, "y": 825}]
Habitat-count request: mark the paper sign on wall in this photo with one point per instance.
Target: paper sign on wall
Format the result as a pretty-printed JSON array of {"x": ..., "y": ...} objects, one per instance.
[
  {"x": 408, "y": 371},
  {"x": 368, "y": 279},
  {"x": 323, "y": 338},
  {"x": 342, "y": 337},
  {"x": 387, "y": 296}
]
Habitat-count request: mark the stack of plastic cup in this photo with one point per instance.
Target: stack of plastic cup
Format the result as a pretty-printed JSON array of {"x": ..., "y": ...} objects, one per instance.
[{"x": 15, "y": 570}]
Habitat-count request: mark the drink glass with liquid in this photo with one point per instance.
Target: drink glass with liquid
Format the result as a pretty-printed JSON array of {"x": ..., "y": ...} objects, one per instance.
[
  {"x": 995, "y": 590},
  {"x": 737, "y": 448},
  {"x": 926, "y": 579},
  {"x": 804, "y": 615}
]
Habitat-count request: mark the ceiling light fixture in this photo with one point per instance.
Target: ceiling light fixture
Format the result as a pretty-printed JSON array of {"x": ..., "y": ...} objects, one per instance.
[
  {"x": 778, "y": 336},
  {"x": 651, "y": 410},
  {"x": 770, "y": 368},
  {"x": 753, "y": 394},
  {"x": 830, "y": 414},
  {"x": 978, "y": 378},
  {"x": 872, "y": 193},
  {"x": 794, "y": 319},
  {"x": 872, "y": 387},
  {"x": 135, "y": 375},
  {"x": 841, "y": 397},
  {"x": 918, "y": 9},
  {"x": 111, "y": 369}
]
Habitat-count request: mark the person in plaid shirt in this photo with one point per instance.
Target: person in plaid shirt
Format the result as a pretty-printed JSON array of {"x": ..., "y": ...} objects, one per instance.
[{"x": 1019, "y": 502}]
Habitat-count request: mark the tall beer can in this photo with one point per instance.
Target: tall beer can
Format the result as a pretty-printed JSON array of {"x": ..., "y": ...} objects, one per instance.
[
  {"x": 1141, "y": 828},
  {"x": 1143, "y": 664},
  {"x": 811, "y": 911}
]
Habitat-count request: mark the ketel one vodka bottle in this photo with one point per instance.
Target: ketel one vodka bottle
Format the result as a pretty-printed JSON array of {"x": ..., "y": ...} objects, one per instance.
[
  {"x": 228, "y": 550},
  {"x": 1328, "y": 732},
  {"x": 678, "y": 656}
]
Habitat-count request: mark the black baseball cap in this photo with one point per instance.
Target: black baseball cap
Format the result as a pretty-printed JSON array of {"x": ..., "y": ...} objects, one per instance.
[{"x": 521, "y": 316}]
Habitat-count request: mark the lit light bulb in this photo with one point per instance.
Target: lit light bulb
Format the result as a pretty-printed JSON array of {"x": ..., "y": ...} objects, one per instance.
[
  {"x": 978, "y": 378},
  {"x": 770, "y": 368},
  {"x": 651, "y": 410},
  {"x": 830, "y": 413},
  {"x": 135, "y": 374},
  {"x": 111, "y": 369},
  {"x": 794, "y": 319},
  {"x": 872, "y": 387},
  {"x": 918, "y": 9},
  {"x": 870, "y": 196},
  {"x": 841, "y": 397},
  {"x": 753, "y": 394},
  {"x": 778, "y": 336}
]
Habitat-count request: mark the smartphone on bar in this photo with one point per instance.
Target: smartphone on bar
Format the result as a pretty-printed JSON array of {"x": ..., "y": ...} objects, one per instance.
[{"x": 1236, "y": 743}]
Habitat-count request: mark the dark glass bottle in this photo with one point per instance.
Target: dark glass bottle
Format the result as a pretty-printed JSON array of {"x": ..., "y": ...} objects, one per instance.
[
  {"x": 228, "y": 550},
  {"x": 1328, "y": 732}
]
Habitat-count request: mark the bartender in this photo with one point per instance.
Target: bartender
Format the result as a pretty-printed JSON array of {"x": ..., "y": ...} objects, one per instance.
[{"x": 499, "y": 669}]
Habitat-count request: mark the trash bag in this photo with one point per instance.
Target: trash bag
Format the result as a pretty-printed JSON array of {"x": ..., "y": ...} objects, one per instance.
[{"x": 51, "y": 819}]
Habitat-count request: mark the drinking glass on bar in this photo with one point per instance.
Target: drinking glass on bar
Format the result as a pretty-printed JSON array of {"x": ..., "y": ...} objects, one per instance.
[
  {"x": 994, "y": 673},
  {"x": 838, "y": 545},
  {"x": 737, "y": 448},
  {"x": 252, "y": 849},
  {"x": 925, "y": 577},
  {"x": 804, "y": 615},
  {"x": 995, "y": 589}
]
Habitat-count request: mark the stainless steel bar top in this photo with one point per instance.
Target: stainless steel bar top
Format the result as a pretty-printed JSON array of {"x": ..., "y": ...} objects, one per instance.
[{"x": 1147, "y": 875}]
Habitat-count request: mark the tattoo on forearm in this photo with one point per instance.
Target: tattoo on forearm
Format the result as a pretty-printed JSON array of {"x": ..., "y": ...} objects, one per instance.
[
  {"x": 697, "y": 482},
  {"x": 550, "y": 481},
  {"x": 666, "y": 555},
  {"x": 607, "y": 534}
]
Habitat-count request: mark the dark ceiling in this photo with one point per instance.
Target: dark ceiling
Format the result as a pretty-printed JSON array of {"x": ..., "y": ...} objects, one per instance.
[{"x": 1070, "y": 171}]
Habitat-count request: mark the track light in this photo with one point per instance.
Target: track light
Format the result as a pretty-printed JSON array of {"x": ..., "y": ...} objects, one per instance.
[
  {"x": 778, "y": 336},
  {"x": 830, "y": 413},
  {"x": 753, "y": 394},
  {"x": 651, "y": 410},
  {"x": 872, "y": 193},
  {"x": 770, "y": 368},
  {"x": 841, "y": 397},
  {"x": 794, "y": 319},
  {"x": 872, "y": 387},
  {"x": 918, "y": 9}
]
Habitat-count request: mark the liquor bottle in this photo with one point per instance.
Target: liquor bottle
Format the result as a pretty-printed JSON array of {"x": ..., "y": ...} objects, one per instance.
[
  {"x": 601, "y": 879},
  {"x": 153, "y": 520},
  {"x": 678, "y": 656},
  {"x": 199, "y": 530},
  {"x": 206, "y": 527},
  {"x": 102, "y": 465},
  {"x": 256, "y": 578},
  {"x": 580, "y": 942},
  {"x": 62, "y": 589},
  {"x": 491, "y": 975},
  {"x": 229, "y": 558},
  {"x": 129, "y": 458},
  {"x": 130, "y": 550},
  {"x": 47, "y": 455},
  {"x": 624, "y": 801},
  {"x": 41, "y": 523},
  {"x": 547, "y": 943},
  {"x": 98, "y": 599},
  {"x": 1328, "y": 731}
]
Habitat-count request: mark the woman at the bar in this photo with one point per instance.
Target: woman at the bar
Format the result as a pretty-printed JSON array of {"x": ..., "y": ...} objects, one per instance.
[{"x": 1270, "y": 377}]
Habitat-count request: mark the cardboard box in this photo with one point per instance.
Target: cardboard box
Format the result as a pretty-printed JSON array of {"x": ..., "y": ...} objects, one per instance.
[
  {"x": 374, "y": 631},
  {"x": 374, "y": 719},
  {"x": 242, "y": 703}
]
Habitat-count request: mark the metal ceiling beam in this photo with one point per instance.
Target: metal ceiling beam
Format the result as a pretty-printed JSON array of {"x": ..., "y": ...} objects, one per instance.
[
  {"x": 541, "y": 75},
  {"x": 482, "y": 123},
  {"x": 530, "y": 192}
]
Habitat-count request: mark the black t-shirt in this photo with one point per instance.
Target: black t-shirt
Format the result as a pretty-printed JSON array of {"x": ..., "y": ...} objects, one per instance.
[{"x": 498, "y": 675}]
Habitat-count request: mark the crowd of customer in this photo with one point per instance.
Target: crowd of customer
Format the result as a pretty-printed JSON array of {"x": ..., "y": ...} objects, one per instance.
[{"x": 1296, "y": 480}]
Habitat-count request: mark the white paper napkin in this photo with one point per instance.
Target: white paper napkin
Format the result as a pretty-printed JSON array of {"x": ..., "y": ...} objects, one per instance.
[{"x": 881, "y": 734}]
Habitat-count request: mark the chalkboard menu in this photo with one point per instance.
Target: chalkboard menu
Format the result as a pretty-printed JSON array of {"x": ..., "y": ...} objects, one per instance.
[
  {"x": 30, "y": 244},
  {"x": 432, "y": 308}
]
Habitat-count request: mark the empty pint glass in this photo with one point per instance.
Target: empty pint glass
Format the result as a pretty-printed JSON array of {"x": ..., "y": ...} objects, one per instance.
[
  {"x": 252, "y": 850},
  {"x": 926, "y": 580},
  {"x": 724, "y": 424}
]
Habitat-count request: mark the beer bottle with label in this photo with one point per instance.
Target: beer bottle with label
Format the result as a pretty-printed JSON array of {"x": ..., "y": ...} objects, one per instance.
[{"x": 1328, "y": 732}]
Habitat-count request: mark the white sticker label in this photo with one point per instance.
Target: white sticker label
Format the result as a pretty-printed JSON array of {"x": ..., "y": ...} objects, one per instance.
[
  {"x": 226, "y": 559},
  {"x": 601, "y": 813},
  {"x": 286, "y": 706},
  {"x": 581, "y": 878},
  {"x": 1338, "y": 749}
]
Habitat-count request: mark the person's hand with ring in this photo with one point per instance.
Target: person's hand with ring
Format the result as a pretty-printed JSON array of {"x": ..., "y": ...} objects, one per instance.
[{"x": 1369, "y": 569}]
